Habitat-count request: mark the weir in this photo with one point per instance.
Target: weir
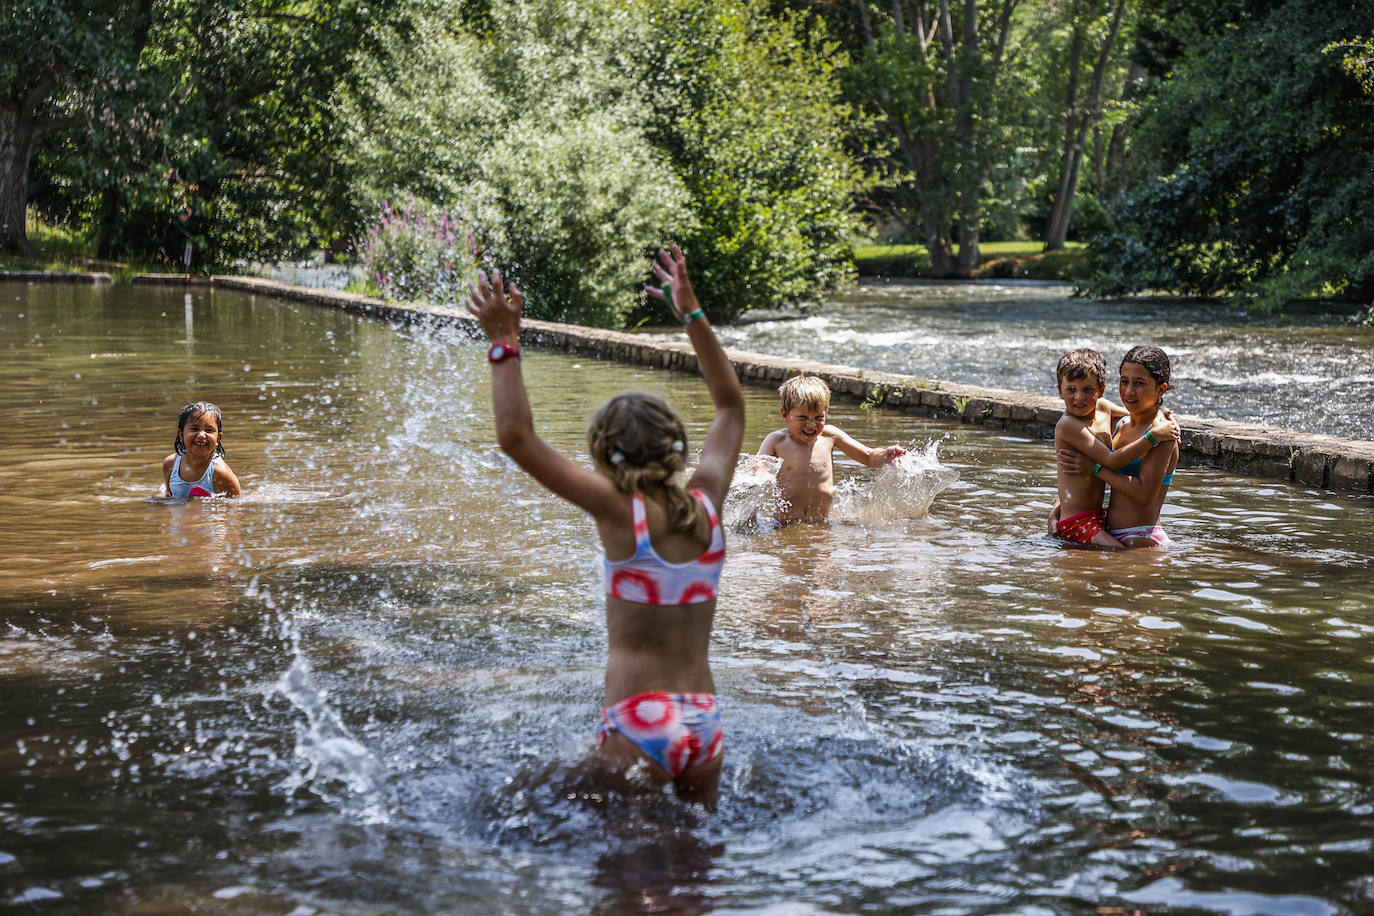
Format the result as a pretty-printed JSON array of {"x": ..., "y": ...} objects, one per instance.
[{"x": 1320, "y": 461}]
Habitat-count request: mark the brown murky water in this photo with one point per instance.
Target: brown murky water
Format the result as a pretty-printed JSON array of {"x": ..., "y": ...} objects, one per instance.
[{"x": 366, "y": 686}]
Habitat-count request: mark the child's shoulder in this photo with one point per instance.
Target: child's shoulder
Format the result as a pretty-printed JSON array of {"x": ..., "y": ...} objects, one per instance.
[
  {"x": 1067, "y": 422},
  {"x": 771, "y": 441}
]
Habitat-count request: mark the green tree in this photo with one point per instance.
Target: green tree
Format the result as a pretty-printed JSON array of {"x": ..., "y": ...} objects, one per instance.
[
  {"x": 951, "y": 84},
  {"x": 1256, "y": 160},
  {"x": 65, "y": 65},
  {"x": 1095, "y": 32},
  {"x": 580, "y": 136},
  {"x": 525, "y": 120},
  {"x": 234, "y": 148},
  {"x": 751, "y": 111}
]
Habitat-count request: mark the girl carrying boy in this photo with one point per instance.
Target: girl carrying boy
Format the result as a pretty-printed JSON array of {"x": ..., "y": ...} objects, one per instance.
[{"x": 1138, "y": 488}]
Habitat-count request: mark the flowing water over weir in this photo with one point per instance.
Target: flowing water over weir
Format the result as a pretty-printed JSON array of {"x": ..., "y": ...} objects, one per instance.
[
  {"x": 366, "y": 686},
  {"x": 1303, "y": 371}
]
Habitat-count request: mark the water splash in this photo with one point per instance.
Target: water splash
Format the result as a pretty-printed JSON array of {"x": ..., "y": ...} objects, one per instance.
[
  {"x": 754, "y": 492},
  {"x": 336, "y": 767},
  {"x": 904, "y": 489}
]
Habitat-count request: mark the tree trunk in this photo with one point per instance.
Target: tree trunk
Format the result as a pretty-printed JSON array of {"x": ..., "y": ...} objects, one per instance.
[
  {"x": 1058, "y": 230},
  {"x": 970, "y": 185},
  {"x": 107, "y": 224},
  {"x": 1057, "y": 227},
  {"x": 17, "y": 137},
  {"x": 942, "y": 261}
]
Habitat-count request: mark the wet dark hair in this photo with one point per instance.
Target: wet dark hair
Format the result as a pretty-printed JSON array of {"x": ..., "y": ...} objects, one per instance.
[
  {"x": 641, "y": 443},
  {"x": 195, "y": 409},
  {"x": 1155, "y": 361},
  {"x": 1081, "y": 363}
]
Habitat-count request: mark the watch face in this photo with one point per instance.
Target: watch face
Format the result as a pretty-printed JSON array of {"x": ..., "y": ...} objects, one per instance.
[{"x": 497, "y": 352}]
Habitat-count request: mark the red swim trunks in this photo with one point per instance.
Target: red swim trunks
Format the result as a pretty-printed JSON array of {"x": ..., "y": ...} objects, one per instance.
[{"x": 1083, "y": 527}]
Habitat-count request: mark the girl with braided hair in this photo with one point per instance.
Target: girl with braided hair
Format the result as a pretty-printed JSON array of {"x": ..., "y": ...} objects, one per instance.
[{"x": 664, "y": 544}]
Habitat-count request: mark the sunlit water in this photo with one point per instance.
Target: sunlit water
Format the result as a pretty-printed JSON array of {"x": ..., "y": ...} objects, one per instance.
[
  {"x": 1302, "y": 371},
  {"x": 366, "y": 687}
]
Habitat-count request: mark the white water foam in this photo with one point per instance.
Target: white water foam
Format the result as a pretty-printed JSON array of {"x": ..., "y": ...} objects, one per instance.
[{"x": 902, "y": 490}]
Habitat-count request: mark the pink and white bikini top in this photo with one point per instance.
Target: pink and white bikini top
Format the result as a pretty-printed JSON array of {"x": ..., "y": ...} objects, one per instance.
[{"x": 647, "y": 578}]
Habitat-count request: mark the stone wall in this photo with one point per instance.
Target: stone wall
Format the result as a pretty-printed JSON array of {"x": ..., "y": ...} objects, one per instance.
[{"x": 1327, "y": 462}]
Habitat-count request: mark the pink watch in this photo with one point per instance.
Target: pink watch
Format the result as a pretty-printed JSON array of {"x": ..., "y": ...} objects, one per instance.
[{"x": 501, "y": 352}]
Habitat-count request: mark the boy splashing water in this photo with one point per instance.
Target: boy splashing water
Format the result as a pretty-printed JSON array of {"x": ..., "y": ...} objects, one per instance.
[{"x": 806, "y": 478}]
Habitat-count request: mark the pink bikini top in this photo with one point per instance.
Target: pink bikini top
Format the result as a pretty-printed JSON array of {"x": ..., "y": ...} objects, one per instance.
[{"x": 647, "y": 578}]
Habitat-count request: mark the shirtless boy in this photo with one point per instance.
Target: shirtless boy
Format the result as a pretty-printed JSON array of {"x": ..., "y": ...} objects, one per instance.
[
  {"x": 1086, "y": 427},
  {"x": 806, "y": 478}
]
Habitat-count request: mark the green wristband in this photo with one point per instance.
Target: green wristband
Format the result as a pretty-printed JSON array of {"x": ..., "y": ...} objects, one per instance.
[
  {"x": 688, "y": 319},
  {"x": 1096, "y": 468},
  {"x": 1150, "y": 438}
]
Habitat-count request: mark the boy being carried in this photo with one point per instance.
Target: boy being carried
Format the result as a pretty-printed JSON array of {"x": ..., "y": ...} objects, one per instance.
[
  {"x": 806, "y": 478},
  {"x": 1086, "y": 427}
]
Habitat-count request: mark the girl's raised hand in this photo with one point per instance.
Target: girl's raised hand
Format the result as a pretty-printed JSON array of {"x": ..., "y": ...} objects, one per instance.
[
  {"x": 498, "y": 313},
  {"x": 676, "y": 288}
]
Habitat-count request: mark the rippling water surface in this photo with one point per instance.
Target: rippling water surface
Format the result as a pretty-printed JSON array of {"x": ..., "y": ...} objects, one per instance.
[
  {"x": 366, "y": 687},
  {"x": 1302, "y": 371}
]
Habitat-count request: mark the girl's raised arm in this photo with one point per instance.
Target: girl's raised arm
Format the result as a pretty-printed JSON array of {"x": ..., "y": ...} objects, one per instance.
[
  {"x": 499, "y": 316},
  {"x": 720, "y": 451}
]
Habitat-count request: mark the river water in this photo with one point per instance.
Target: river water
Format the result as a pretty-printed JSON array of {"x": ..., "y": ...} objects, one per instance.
[
  {"x": 1303, "y": 370},
  {"x": 366, "y": 687}
]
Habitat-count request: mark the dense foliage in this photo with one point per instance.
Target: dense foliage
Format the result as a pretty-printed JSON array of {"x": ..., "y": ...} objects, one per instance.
[
  {"x": 1255, "y": 160},
  {"x": 1209, "y": 149},
  {"x": 202, "y": 121},
  {"x": 582, "y": 136}
]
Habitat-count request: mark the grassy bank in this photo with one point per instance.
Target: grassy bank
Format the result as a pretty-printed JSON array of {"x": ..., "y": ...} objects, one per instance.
[
  {"x": 999, "y": 259},
  {"x": 57, "y": 249}
]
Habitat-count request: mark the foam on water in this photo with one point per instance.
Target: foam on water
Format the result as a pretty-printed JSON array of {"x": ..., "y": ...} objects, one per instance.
[{"x": 902, "y": 490}]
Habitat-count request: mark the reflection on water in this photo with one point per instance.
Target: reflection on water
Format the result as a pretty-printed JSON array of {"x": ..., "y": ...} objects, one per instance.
[
  {"x": 367, "y": 686},
  {"x": 1226, "y": 362}
]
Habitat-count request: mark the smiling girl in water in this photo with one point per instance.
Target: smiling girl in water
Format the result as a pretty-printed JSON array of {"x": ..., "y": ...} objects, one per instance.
[
  {"x": 197, "y": 467},
  {"x": 664, "y": 545}
]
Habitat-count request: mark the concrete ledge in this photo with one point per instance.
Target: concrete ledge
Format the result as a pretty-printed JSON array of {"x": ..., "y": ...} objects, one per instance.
[
  {"x": 1327, "y": 462},
  {"x": 171, "y": 280},
  {"x": 40, "y": 276}
]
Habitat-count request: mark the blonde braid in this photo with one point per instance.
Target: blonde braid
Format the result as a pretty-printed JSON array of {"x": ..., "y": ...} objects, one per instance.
[{"x": 638, "y": 440}]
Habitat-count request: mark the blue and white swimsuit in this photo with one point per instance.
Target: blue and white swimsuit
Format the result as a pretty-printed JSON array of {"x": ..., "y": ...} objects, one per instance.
[{"x": 184, "y": 489}]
